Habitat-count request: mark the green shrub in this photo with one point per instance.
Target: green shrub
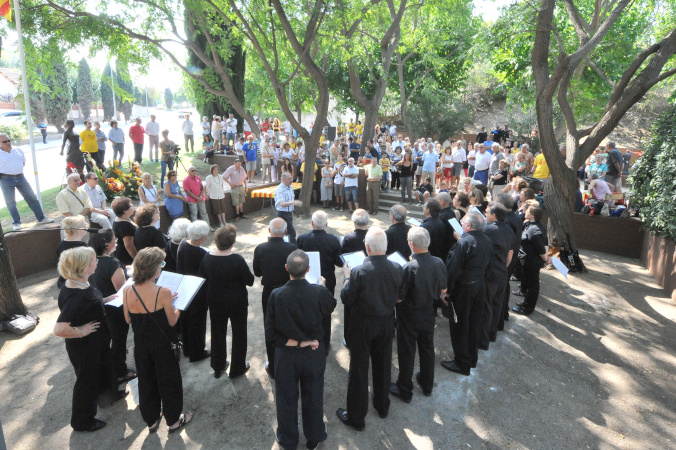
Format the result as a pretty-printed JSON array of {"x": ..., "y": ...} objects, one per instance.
[
  {"x": 15, "y": 131},
  {"x": 653, "y": 181}
]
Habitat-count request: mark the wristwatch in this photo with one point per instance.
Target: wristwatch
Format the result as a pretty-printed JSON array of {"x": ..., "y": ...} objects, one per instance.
[{"x": 298, "y": 344}]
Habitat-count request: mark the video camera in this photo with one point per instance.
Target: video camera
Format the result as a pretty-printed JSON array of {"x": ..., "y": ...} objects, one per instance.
[{"x": 176, "y": 149}]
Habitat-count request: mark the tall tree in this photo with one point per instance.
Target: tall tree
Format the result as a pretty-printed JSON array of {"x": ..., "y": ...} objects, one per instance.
[
  {"x": 107, "y": 93},
  {"x": 168, "y": 98},
  {"x": 57, "y": 99},
  {"x": 554, "y": 69},
  {"x": 124, "y": 90},
  {"x": 85, "y": 92}
]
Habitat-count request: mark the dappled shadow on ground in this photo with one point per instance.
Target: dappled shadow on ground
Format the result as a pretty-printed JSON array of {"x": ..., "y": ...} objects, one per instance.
[{"x": 591, "y": 367}]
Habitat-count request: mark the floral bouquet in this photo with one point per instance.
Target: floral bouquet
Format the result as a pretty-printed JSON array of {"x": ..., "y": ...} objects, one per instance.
[{"x": 117, "y": 181}]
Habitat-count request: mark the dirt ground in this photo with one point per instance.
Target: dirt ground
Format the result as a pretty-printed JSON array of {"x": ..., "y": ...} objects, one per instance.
[{"x": 593, "y": 367}]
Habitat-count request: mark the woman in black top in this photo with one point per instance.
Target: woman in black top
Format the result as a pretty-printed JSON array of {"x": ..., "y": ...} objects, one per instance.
[
  {"x": 150, "y": 311},
  {"x": 194, "y": 320},
  {"x": 74, "y": 154},
  {"x": 124, "y": 229},
  {"x": 460, "y": 203},
  {"x": 227, "y": 276},
  {"x": 177, "y": 232},
  {"x": 405, "y": 167},
  {"x": 109, "y": 278},
  {"x": 82, "y": 323},
  {"x": 532, "y": 257},
  {"x": 73, "y": 227},
  {"x": 146, "y": 235}
]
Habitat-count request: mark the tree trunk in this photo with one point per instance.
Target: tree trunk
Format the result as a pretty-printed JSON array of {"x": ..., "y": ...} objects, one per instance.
[
  {"x": 10, "y": 298},
  {"x": 370, "y": 117}
]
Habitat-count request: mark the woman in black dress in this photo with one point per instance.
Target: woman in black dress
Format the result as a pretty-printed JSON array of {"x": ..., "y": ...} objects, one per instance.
[
  {"x": 146, "y": 234},
  {"x": 74, "y": 154},
  {"x": 150, "y": 311},
  {"x": 108, "y": 279},
  {"x": 532, "y": 256},
  {"x": 227, "y": 276},
  {"x": 194, "y": 320},
  {"x": 177, "y": 232},
  {"x": 82, "y": 323},
  {"x": 74, "y": 227},
  {"x": 124, "y": 229}
]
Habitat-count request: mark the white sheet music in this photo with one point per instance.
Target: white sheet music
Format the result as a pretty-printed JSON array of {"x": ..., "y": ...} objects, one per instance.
[
  {"x": 476, "y": 210},
  {"x": 560, "y": 266},
  {"x": 118, "y": 301},
  {"x": 398, "y": 258},
  {"x": 185, "y": 285},
  {"x": 170, "y": 280},
  {"x": 354, "y": 259},
  {"x": 456, "y": 226},
  {"x": 315, "y": 268},
  {"x": 413, "y": 221}
]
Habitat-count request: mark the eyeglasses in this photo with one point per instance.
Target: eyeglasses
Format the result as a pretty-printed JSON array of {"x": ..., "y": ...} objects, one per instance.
[
  {"x": 194, "y": 170},
  {"x": 97, "y": 179},
  {"x": 4, "y": 142}
]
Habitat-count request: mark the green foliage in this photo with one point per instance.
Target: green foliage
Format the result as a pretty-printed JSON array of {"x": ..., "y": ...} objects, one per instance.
[
  {"x": 14, "y": 130},
  {"x": 124, "y": 89},
  {"x": 435, "y": 113},
  {"x": 107, "y": 93},
  {"x": 168, "y": 98},
  {"x": 84, "y": 88},
  {"x": 37, "y": 105},
  {"x": 57, "y": 99},
  {"x": 652, "y": 180}
]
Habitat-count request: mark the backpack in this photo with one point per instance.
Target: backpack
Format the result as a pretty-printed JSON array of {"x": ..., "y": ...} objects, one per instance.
[{"x": 19, "y": 324}]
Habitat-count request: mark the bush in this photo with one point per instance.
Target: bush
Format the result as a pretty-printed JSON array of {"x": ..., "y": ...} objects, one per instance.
[
  {"x": 15, "y": 131},
  {"x": 652, "y": 179}
]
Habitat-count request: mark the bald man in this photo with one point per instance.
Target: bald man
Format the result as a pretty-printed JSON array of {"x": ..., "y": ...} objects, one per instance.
[{"x": 268, "y": 263}]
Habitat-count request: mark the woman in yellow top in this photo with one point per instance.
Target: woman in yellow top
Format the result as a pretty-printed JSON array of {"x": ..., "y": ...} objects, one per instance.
[
  {"x": 276, "y": 127},
  {"x": 359, "y": 127},
  {"x": 385, "y": 164},
  {"x": 89, "y": 143}
]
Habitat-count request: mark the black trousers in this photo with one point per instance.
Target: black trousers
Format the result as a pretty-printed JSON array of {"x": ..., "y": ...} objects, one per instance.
[
  {"x": 395, "y": 180},
  {"x": 331, "y": 286},
  {"x": 468, "y": 301},
  {"x": 304, "y": 367},
  {"x": 505, "y": 305},
  {"x": 138, "y": 152},
  {"x": 370, "y": 338},
  {"x": 495, "y": 296},
  {"x": 91, "y": 362},
  {"x": 220, "y": 315},
  {"x": 118, "y": 340},
  {"x": 269, "y": 348},
  {"x": 530, "y": 284},
  {"x": 160, "y": 385},
  {"x": 415, "y": 327},
  {"x": 290, "y": 230},
  {"x": 194, "y": 327}
]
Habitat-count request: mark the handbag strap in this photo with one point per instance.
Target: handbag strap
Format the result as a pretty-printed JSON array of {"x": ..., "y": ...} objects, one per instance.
[
  {"x": 78, "y": 198},
  {"x": 151, "y": 316}
]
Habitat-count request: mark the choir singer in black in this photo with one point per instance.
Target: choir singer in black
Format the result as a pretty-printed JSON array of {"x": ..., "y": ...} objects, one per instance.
[{"x": 294, "y": 326}]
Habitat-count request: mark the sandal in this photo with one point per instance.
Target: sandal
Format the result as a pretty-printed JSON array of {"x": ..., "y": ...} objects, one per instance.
[
  {"x": 129, "y": 376},
  {"x": 184, "y": 420},
  {"x": 155, "y": 427}
]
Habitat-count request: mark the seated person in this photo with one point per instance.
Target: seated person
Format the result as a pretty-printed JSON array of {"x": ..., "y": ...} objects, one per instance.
[
  {"x": 598, "y": 188},
  {"x": 425, "y": 191}
]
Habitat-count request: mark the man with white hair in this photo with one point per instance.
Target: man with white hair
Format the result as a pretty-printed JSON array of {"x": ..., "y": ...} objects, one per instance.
[
  {"x": 351, "y": 176},
  {"x": 100, "y": 213},
  {"x": 195, "y": 195},
  {"x": 73, "y": 200},
  {"x": 424, "y": 282},
  {"x": 466, "y": 267},
  {"x": 285, "y": 203},
  {"x": 268, "y": 262},
  {"x": 12, "y": 162},
  {"x": 397, "y": 234},
  {"x": 230, "y": 129},
  {"x": 188, "y": 134},
  {"x": 482, "y": 164},
  {"x": 371, "y": 290},
  {"x": 354, "y": 242}
]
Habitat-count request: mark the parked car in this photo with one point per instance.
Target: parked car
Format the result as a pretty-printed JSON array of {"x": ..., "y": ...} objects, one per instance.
[{"x": 12, "y": 116}]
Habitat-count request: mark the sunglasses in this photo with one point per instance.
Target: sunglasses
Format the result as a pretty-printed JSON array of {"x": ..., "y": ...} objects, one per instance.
[{"x": 4, "y": 142}]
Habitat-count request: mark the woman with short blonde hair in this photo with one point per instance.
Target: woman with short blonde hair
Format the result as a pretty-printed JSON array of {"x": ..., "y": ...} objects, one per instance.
[{"x": 75, "y": 229}]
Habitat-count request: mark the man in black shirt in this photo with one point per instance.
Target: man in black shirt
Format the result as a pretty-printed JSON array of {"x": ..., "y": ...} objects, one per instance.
[
  {"x": 354, "y": 242},
  {"x": 436, "y": 228},
  {"x": 481, "y": 137},
  {"x": 424, "y": 282},
  {"x": 516, "y": 224},
  {"x": 293, "y": 325},
  {"x": 268, "y": 262},
  {"x": 532, "y": 256},
  {"x": 614, "y": 163},
  {"x": 497, "y": 279},
  {"x": 447, "y": 213},
  {"x": 397, "y": 240},
  {"x": 371, "y": 290},
  {"x": 328, "y": 246},
  {"x": 466, "y": 268}
]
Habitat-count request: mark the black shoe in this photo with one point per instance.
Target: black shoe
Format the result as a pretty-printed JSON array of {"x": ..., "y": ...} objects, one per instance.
[
  {"x": 343, "y": 417},
  {"x": 494, "y": 337},
  {"x": 501, "y": 327},
  {"x": 247, "y": 366},
  {"x": 425, "y": 392},
  {"x": 453, "y": 367},
  {"x": 98, "y": 424},
  {"x": 394, "y": 390},
  {"x": 507, "y": 315},
  {"x": 205, "y": 355},
  {"x": 523, "y": 311},
  {"x": 312, "y": 445},
  {"x": 483, "y": 347},
  {"x": 270, "y": 372}
]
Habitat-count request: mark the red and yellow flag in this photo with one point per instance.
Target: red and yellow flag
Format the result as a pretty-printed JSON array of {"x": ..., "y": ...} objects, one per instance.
[{"x": 6, "y": 9}]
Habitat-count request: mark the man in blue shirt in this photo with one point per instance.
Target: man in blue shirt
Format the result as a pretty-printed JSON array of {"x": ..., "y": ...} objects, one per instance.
[
  {"x": 250, "y": 149},
  {"x": 430, "y": 159},
  {"x": 354, "y": 149},
  {"x": 284, "y": 204}
]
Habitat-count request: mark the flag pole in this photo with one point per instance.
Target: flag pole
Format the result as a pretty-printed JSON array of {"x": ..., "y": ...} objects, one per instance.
[{"x": 26, "y": 98}]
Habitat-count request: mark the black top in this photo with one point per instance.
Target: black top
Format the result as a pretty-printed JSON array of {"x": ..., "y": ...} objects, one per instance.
[
  {"x": 397, "y": 239},
  {"x": 516, "y": 225},
  {"x": 426, "y": 187},
  {"x": 438, "y": 236},
  {"x": 614, "y": 156},
  {"x": 149, "y": 236},
  {"x": 79, "y": 307},
  {"x": 481, "y": 137},
  {"x": 102, "y": 278},
  {"x": 296, "y": 311},
  {"x": 269, "y": 260},
  {"x": 329, "y": 250},
  {"x": 146, "y": 324},
  {"x": 424, "y": 279},
  {"x": 373, "y": 288},
  {"x": 74, "y": 154},
  {"x": 406, "y": 171},
  {"x": 62, "y": 247},
  {"x": 502, "y": 238},
  {"x": 533, "y": 241},
  {"x": 171, "y": 250},
  {"x": 445, "y": 215},
  {"x": 123, "y": 229},
  {"x": 482, "y": 207},
  {"x": 501, "y": 181},
  {"x": 469, "y": 259},
  {"x": 226, "y": 279},
  {"x": 354, "y": 241},
  {"x": 189, "y": 258}
]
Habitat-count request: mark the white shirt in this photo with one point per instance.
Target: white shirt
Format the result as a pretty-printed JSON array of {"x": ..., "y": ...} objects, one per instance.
[
  {"x": 238, "y": 149},
  {"x": 393, "y": 130},
  {"x": 206, "y": 128},
  {"x": 459, "y": 155},
  {"x": 471, "y": 155},
  {"x": 288, "y": 154},
  {"x": 231, "y": 125},
  {"x": 214, "y": 187},
  {"x": 351, "y": 182},
  {"x": 187, "y": 127},
  {"x": 153, "y": 128},
  {"x": 396, "y": 144},
  {"x": 12, "y": 163},
  {"x": 339, "y": 177},
  {"x": 483, "y": 161},
  {"x": 96, "y": 195},
  {"x": 287, "y": 126},
  {"x": 247, "y": 127}
]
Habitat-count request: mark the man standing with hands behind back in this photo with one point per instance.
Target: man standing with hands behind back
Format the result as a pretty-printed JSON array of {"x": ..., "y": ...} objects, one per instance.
[
  {"x": 153, "y": 132},
  {"x": 136, "y": 133}
]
